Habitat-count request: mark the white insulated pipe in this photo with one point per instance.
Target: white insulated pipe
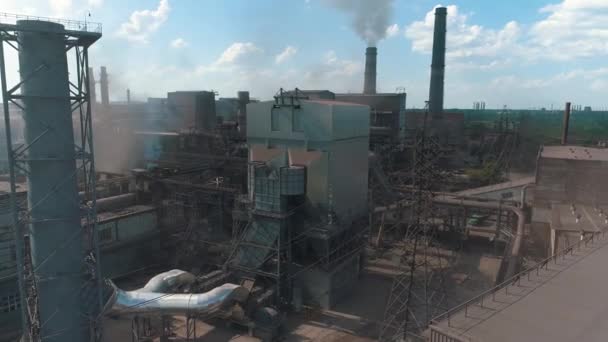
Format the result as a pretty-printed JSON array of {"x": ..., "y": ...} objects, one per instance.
[{"x": 155, "y": 298}]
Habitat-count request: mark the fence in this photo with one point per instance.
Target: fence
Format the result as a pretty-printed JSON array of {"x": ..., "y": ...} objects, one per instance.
[
  {"x": 76, "y": 25},
  {"x": 514, "y": 280}
]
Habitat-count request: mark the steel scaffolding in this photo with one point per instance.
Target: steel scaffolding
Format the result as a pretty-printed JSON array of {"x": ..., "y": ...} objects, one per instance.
[{"x": 78, "y": 37}]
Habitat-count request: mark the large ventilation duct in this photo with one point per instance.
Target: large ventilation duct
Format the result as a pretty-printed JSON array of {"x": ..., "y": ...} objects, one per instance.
[
  {"x": 56, "y": 235},
  {"x": 369, "y": 83},
  {"x": 104, "y": 87},
  {"x": 156, "y": 297},
  {"x": 438, "y": 64}
]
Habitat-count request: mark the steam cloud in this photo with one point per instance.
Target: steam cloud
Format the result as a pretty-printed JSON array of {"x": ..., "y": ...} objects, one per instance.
[{"x": 370, "y": 18}]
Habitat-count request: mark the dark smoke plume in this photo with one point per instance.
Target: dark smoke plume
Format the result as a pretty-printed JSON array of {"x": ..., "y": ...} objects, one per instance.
[{"x": 370, "y": 18}]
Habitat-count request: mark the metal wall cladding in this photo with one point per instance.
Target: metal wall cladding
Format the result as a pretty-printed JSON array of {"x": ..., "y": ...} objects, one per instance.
[
  {"x": 267, "y": 193},
  {"x": 133, "y": 226},
  {"x": 293, "y": 180},
  {"x": 128, "y": 228}
]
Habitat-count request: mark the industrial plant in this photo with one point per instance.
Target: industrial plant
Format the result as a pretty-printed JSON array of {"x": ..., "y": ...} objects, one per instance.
[{"x": 316, "y": 215}]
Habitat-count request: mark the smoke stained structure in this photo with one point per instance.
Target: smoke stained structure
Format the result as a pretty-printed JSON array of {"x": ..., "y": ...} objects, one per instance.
[{"x": 370, "y": 18}]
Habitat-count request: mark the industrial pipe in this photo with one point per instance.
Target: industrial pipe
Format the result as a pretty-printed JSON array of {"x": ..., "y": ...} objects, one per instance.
[
  {"x": 115, "y": 202},
  {"x": 452, "y": 200},
  {"x": 152, "y": 298},
  {"x": 517, "y": 238}
]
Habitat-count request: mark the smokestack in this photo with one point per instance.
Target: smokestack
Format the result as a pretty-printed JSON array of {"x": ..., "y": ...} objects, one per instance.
[
  {"x": 103, "y": 85},
  {"x": 92, "y": 92},
  {"x": 243, "y": 97},
  {"x": 128, "y": 95},
  {"x": 566, "y": 124},
  {"x": 438, "y": 64},
  {"x": 369, "y": 83}
]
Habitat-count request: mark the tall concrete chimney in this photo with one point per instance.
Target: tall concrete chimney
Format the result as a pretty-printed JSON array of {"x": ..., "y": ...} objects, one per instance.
[
  {"x": 92, "y": 92},
  {"x": 369, "y": 83},
  {"x": 128, "y": 95},
  {"x": 438, "y": 64},
  {"x": 103, "y": 86},
  {"x": 566, "y": 124}
]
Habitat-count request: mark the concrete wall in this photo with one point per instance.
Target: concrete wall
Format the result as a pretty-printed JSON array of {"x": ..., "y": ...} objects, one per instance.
[{"x": 571, "y": 181}]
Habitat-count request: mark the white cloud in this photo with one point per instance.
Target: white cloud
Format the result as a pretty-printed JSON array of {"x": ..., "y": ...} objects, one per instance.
[
  {"x": 143, "y": 23},
  {"x": 568, "y": 30},
  {"x": 572, "y": 28},
  {"x": 286, "y": 54},
  {"x": 60, "y": 8},
  {"x": 231, "y": 60},
  {"x": 392, "y": 30},
  {"x": 178, "y": 43},
  {"x": 236, "y": 51},
  {"x": 464, "y": 39},
  {"x": 95, "y": 3},
  {"x": 334, "y": 67}
]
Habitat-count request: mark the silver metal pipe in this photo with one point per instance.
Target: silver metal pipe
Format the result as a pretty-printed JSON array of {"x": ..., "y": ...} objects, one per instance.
[{"x": 153, "y": 298}]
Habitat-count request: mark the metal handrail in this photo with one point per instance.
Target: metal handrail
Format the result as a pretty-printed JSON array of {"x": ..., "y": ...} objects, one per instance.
[
  {"x": 77, "y": 25},
  {"x": 538, "y": 266}
]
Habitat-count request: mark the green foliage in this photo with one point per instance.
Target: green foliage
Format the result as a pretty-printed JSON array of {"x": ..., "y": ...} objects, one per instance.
[{"x": 489, "y": 173}]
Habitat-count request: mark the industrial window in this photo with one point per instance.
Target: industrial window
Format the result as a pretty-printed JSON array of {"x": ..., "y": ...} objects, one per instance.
[
  {"x": 105, "y": 235},
  {"x": 297, "y": 121},
  {"x": 274, "y": 120},
  {"x": 9, "y": 303}
]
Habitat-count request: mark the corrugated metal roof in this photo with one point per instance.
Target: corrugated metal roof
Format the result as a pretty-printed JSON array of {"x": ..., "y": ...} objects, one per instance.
[{"x": 574, "y": 153}]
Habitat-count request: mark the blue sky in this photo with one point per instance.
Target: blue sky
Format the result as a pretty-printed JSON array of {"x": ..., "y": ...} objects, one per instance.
[{"x": 519, "y": 53}]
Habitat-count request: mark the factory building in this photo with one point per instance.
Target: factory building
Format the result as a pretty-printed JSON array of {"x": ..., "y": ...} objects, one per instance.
[
  {"x": 244, "y": 212},
  {"x": 308, "y": 173},
  {"x": 568, "y": 192}
]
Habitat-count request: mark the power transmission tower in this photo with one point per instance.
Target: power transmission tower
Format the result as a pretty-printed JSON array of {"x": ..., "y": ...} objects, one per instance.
[{"x": 418, "y": 292}]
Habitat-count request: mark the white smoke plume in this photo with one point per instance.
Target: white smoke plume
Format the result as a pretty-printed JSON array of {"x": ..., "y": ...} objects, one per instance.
[{"x": 370, "y": 18}]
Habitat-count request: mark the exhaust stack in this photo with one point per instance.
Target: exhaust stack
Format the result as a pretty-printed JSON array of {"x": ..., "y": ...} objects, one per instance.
[
  {"x": 566, "y": 124},
  {"x": 92, "y": 92},
  {"x": 103, "y": 85},
  {"x": 438, "y": 64},
  {"x": 369, "y": 83}
]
